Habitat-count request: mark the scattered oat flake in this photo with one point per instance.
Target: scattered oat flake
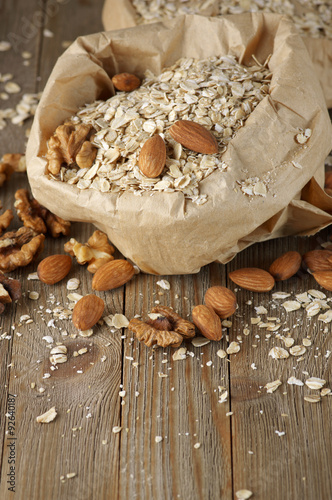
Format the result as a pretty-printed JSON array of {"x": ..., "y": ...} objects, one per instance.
[
  {"x": 179, "y": 354},
  {"x": 33, "y": 295},
  {"x": 200, "y": 341},
  {"x": 226, "y": 323},
  {"x": 158, "y": 439},
  {"x": 164, "y": 284},
  {"x": 86, "y": 333},
  {"x": 4, "y": 45},
  {"x": 297, "y": 165},
  {"x": 233, "y": 348},
  {"x": 280, "y": 433},
  {"x": 315, "y": 398},
  {"x": 260, "y": 310},
  {"x": 272, "y": 386},
  {"x": 221, "y": 353},
  {"x": 306, "y": 342},
  {"x": 253, "y": 366},
  {"x": 325, "y": 392},
  {"x": 315, "y": 383},
  {"x": 47, "y": 417},
  {"x": 120, "y": 321},
  {"x": 48, "y": 33},
  {"x": 116, "y": 429},
  {"x": 297, "y": 350},
  {"x": 317, "y": 294},
  {"x": 243, "y": 494},
  {"x": 278, "y": 353},
  {"x": 255, "y": 321},
  {"x": 291, "y": 305},
  {"x": 280, "y": 295},
  {"x": 197, "y": 445},
  {"x": 12, "y": 88},
  {"x": 70, "y": 475},
  {"x": 223, "y": 397},
  {"x": 48, "y": 339},
  {"x": 33, "y": 276},
  {"x": 73, "y": 284},
  {"x": 294, "y": 381}
]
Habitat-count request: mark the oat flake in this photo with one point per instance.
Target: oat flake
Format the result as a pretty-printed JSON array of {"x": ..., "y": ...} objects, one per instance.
[{"x": 243, "y": 494}]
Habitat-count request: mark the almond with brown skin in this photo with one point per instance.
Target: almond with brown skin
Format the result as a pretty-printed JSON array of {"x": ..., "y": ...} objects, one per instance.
[
  {"x": 152, "y": 157},
  {"x": 112, "y": 275},
  {"x": 126, "y": 82},
  {"x": 194, "y": 136},
  {"x": 207, "y": 322},
  {"x": 88, "y": 311},
  {"x": 253, "y": 278},
  {"x": 285, "y": 266},
  {"x": 54, "y": 268},
  {"x": 221, "y": 300},
  {"x": 324, "y": 279},
  {"x": 318, "y": 260}
]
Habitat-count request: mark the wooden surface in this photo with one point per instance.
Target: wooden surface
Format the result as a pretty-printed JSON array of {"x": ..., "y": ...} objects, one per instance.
[{"x": 237, "y": 451}]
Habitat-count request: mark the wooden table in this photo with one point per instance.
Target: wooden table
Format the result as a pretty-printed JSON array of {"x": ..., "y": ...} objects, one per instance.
[{"x": 276, "y": 445}]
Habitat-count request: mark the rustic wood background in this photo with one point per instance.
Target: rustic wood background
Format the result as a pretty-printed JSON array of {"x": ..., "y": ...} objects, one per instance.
[{"x": 238, "y": 451}]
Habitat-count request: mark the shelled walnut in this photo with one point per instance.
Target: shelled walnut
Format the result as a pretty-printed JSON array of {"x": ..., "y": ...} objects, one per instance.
[
  {"x": 36, "y": 217},
  {"x": 70, "y": 145},
  {"x": 9, "y": 164},
  {"x": 165, "y": 328},
  {"x": 5, "y": 219},
  {"x": 97, "y": 251},
  {"x": 18, "y": 248}
]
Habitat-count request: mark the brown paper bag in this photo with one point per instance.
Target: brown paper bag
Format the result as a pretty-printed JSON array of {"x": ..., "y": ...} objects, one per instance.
[
  {"x": 164, "y": 233},
  {"x": 117, "y": 15}
]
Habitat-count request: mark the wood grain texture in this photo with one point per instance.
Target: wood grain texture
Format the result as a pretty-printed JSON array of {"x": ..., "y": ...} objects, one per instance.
[
  {"x": 74, "y": 442},
  {"x": 176, "y": 400},
  {"x": 291, "y": 465}
]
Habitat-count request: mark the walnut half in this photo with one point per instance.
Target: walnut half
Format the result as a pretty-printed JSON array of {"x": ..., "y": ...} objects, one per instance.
[
  {"x": 36, "y": 217},
  {"x": 97, "y": 251},
  {"x": 70, "y": 146},
  {"x": 167, "y": 328},
  {"x": 18, "y": 248}
]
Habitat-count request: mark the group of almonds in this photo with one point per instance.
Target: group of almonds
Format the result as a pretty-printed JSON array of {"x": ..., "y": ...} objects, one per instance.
[
  {"x": 189, "y": 134},
  {"x": 164, "y": 326}
]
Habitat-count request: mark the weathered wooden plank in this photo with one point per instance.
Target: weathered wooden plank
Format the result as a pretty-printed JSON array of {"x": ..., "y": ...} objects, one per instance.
[
  {"x": 290, "y": 465},
  {"x": 181, "y": 407},
  {"x": 91, "y": 451},
  {"x": 12, "y": 139}
]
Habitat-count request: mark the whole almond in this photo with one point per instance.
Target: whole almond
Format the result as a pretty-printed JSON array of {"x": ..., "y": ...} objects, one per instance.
[
  {"x": 152, "y": 157},
  {"x": 318, "y": 260},
  {"x": 221, "y": 300},
  {"x": 126, "y": 82},
  {"x": 253, "y": 278},
  {"x": 88, "y": 311},
  {"x": 285, "y": 266},
  {"x": 207, "y": 322},
  {"x": 54, "y": 268},
  {"x": 324, "y": 279},
  {"x": 194, "y": 136},
  {"x": 112, "y": 275}
]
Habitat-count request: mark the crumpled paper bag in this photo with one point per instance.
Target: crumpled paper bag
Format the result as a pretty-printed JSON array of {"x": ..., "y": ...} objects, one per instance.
[
  {"x": 164, "y": 233},
  {"x": 117, "y": 15}
]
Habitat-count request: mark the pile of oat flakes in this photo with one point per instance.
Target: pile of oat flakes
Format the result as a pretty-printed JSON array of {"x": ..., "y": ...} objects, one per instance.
[
  {"x": 218, "y": 93},
  {"x": 311, "y": 17}
]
